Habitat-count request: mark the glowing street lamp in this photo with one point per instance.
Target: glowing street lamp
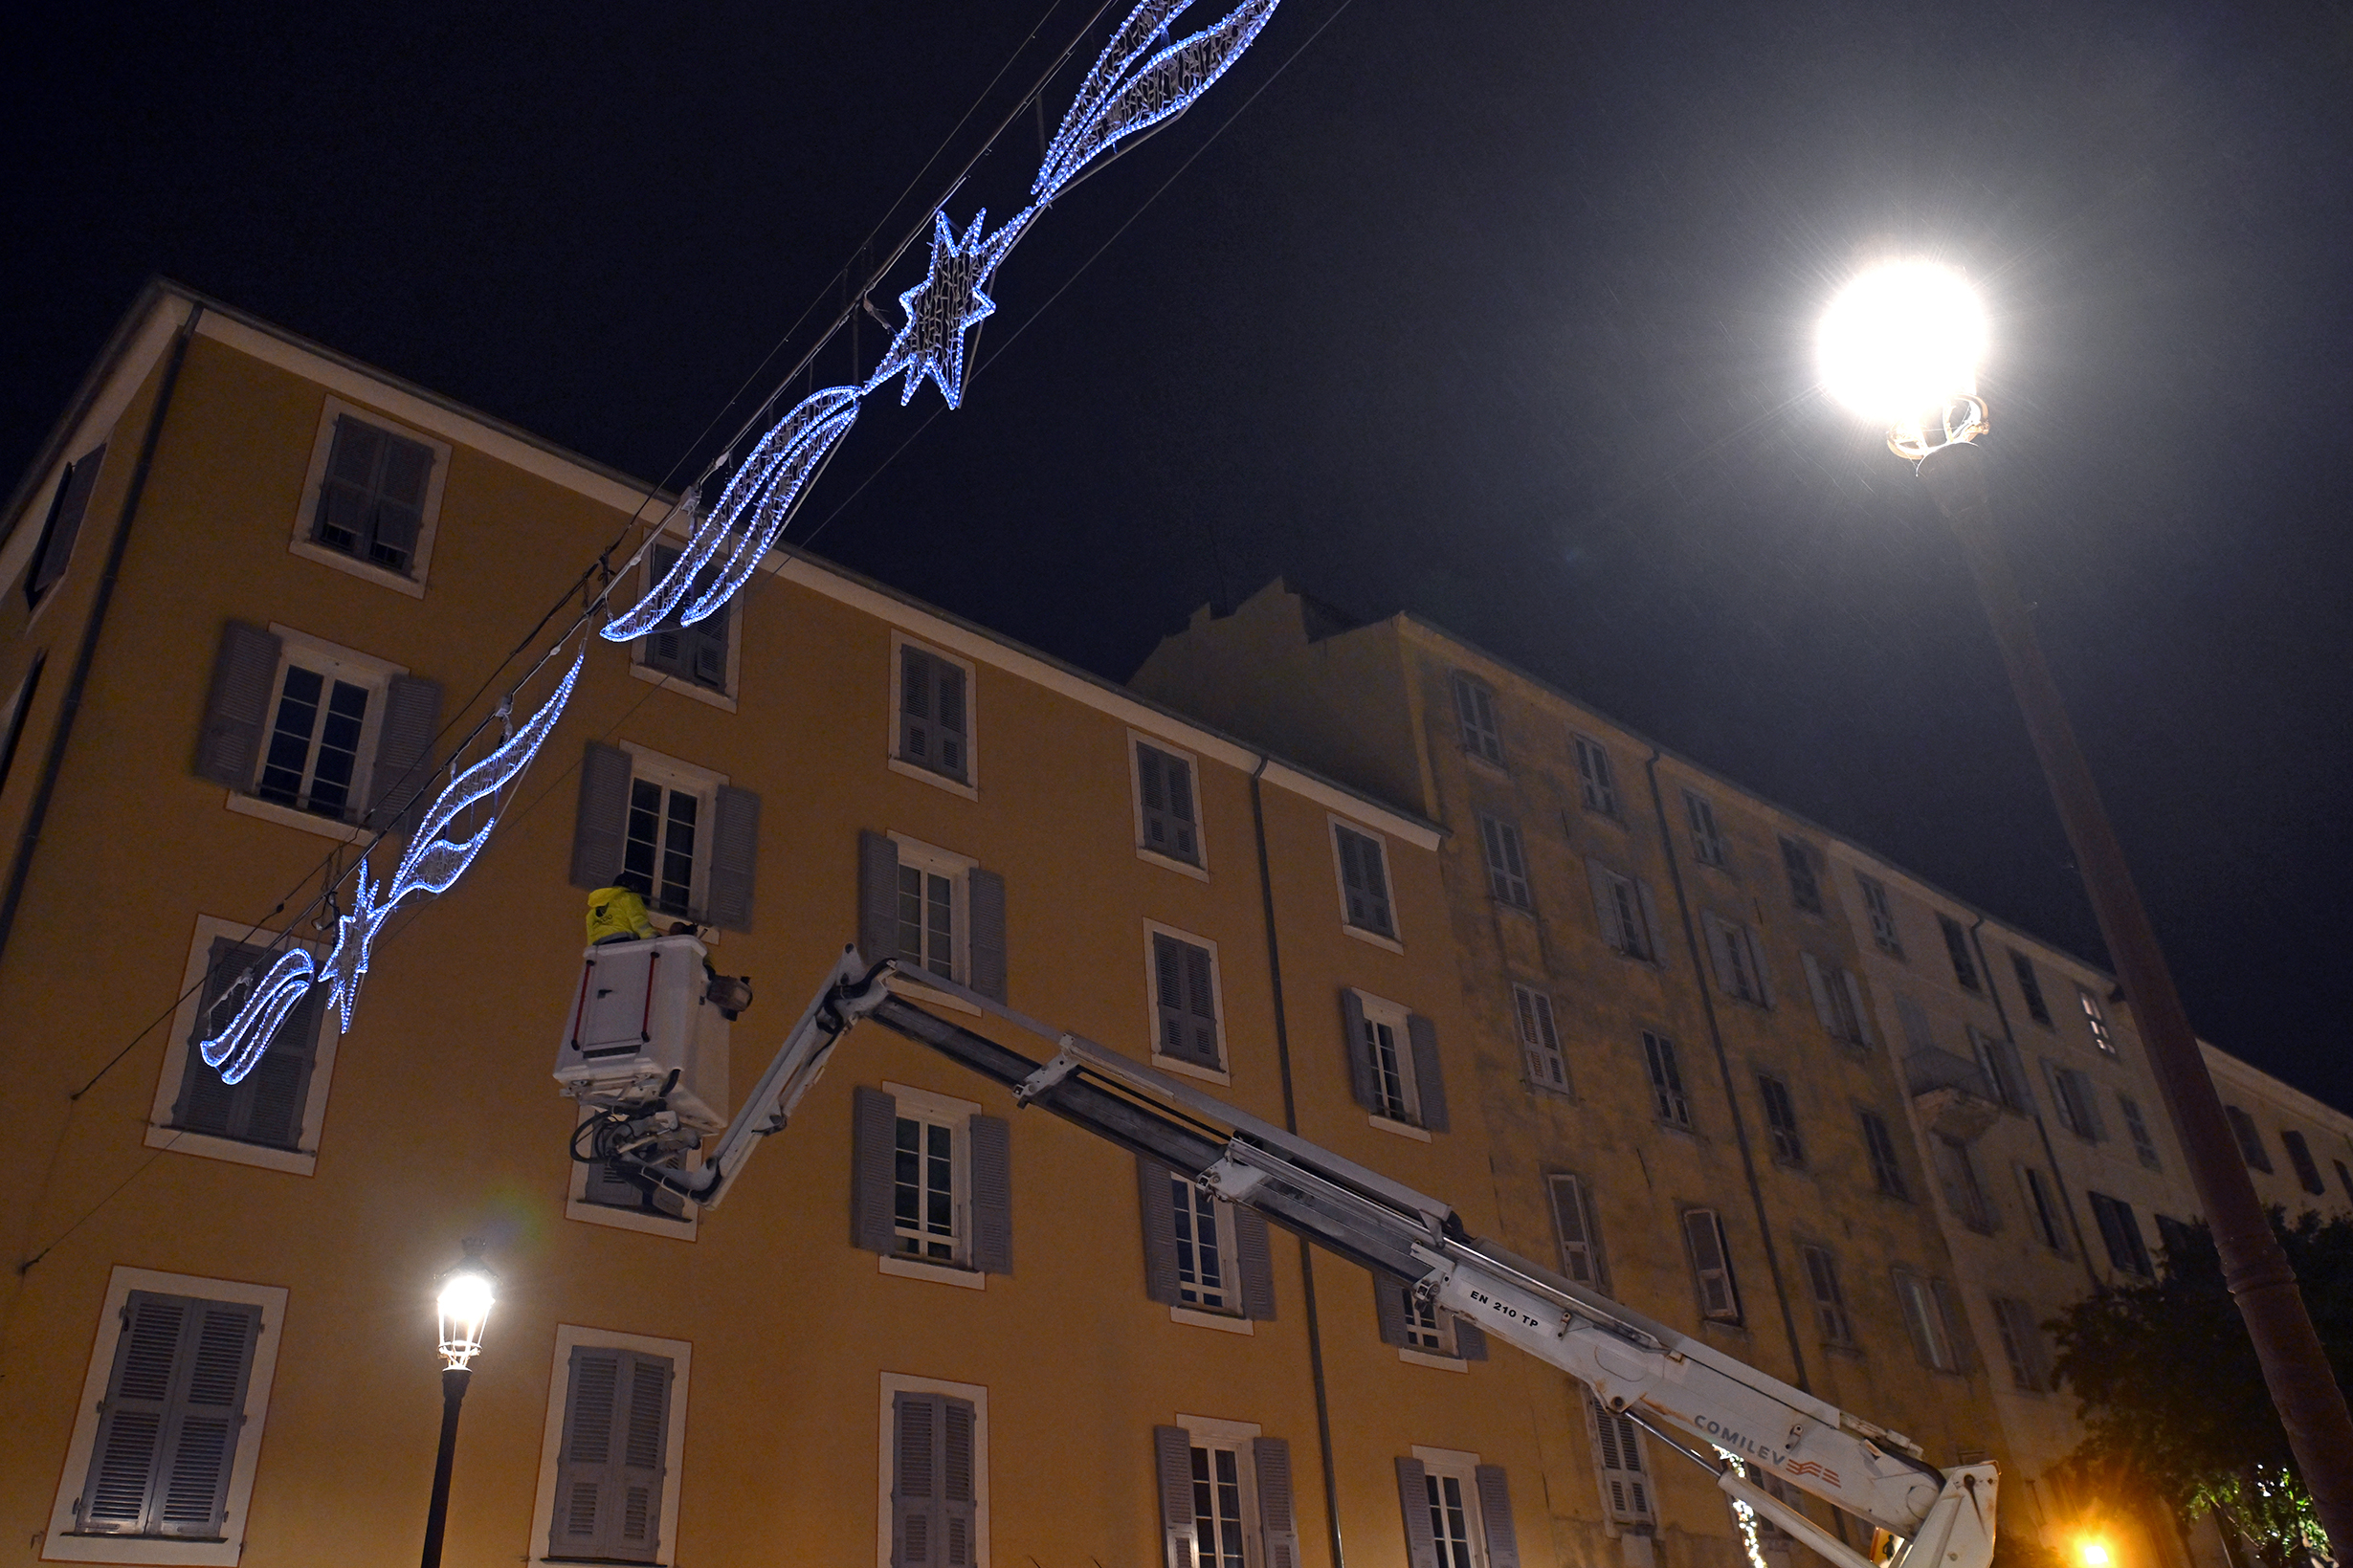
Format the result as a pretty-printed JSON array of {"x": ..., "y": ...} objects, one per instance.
[
  {"x": 1902, "y": 346},
  {"x": 2093, "y": 1553},
  {"x": 467, "y": 1294}
]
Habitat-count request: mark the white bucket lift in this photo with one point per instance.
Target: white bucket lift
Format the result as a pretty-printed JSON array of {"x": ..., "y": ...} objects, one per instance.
[{"x": 639, "y": 1014}]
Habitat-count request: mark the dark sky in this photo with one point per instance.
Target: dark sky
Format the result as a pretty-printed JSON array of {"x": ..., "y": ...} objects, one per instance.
[{"x": 1496, "y": 312}]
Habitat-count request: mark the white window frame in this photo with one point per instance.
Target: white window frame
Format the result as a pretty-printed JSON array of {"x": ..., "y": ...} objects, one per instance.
[
  {"x": 1680, "y": 1092},
  {"x": 1228, "y": 1251},
  {"x": 579, "y": 1205},
  {"x": 1200, "y": 872},
  {"x": 934, "y": 861},
  {"x": 1380, "y": 1011},
  {"x": 1879, "y": 912},
  {"x": 60, "y": 1544},
  {"x": 303, "y": 1160},
  {"x": 1445, "y": 1354},
  {"x": 1239, "y": 1439},
  {"x": 677, "y": 538},
  {"x": 1393, "y": 940},
  {"x": 1469, "y": 691},
  {"x": 1222, "y": 1073},
  {"x": 1706, "y": 848},
  {"x": 1502, "y": 834},
  {"x": 1462, "y": 1467},
  {"x": 420, "y": 559},
  {"x": 1641, "y": 944},
  {"x": 336, "y": 662},
  {"x": 686, "y": 779},
  {"x": 968, "y": 786},
  {"x": 925, "y": 1105},
  {"x": 569, "y": 1337},
  {"x": 1923, "y": 1312},
  {"x": 1596, "y": 782},
  {"x": 1746, "y": 943},
  {"x": 886, "y": 1461},
  {"x": 1536, "y": 1023}
]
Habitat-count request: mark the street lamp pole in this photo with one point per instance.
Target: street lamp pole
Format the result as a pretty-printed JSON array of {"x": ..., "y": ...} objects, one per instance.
[
  {"x": 2261, "y": 1281},
  {"x": 467, "y": 1293}
]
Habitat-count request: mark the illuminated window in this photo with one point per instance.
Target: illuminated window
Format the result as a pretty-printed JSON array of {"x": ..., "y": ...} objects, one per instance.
[{"x": 2097, "y": 1021}]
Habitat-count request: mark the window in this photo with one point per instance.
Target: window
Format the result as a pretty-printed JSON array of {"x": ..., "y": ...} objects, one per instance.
[
  {"x": 2178, "y": 1239},
  {"x": 1204, "y": 1229},
  {"x": 1957, "y": 948},
  {"x": 1580, "y": 1236},
  {"x": 269, "y": 1106},
  {"x": 1539, "y": 1043},
  {"x": 1474, "y": 708},
  {"x": 931, "y": 1181},
  {"x": 1507, "y": 866},
  {"x": 66, "y": 506},
  {"x": 2030, "y": 986},
  {"x": 615, "y": 1456},
  {"x": 1185, "y": 1004},
  {"x": 1166, "y": 824},
  {"x": 1364, "y": 881},
  {"x": 1830, "y": 1299},
  {"x": 1838, "y": 999},
  {"x": 1781, "y": 1119},
  {"x": 1626, "y": 913},
  {"x": 934, "y": 728},
  {"x": 1597, "y": 782},
  {"x": 2043, "y": 1209},
  {"x": 682, "y": 837},
  {"x": 1886, "y": 1170},
  {"x": 1882, "y": 914},
  {"x": 1225, "y": 1495},
  {"x": 2120, "y": 1233},
  {"x": 610, "y": 1192},
  {"x": 2096, "y": 1020},
  {"x": 2299, "y": 1156},
  {"x": 1667, "y": 1097},
  {"x": 2144, "y": 1146},
  {"x": 1998, "y": 1060},
  {"x": 1458, "y": 1511},
  {"x": 1450, "y": 1519},
  {"x": 935, "y": 1463},
  {"x": 1393, "y": 1062},
  {"x": 2249, "y": 1139},
  {"x": 1800, "y": 861},
  {"x": 2022, "y": 1344},
  {"x": 1217, "y": 1505},
  {"x": 1739, "y": 954},
  {"x": 699, "y": 654},
  {"x": 1707, "y": 843},
  {"x": 2078, "y": 1102},
  {"x": 658, "y": 855},
  {"x": 1963, "y": 1194},
  {"x": 1421, "y": 1329},
  {"x": 1932, "y": 1312},
  {"x": 372, "y": 500},
  {"x": 1711, "y": 1265},
  {"x": 934, "y": 911},
  {"x": 1202, "y": 1254},
  {"x": 1625, "y": 1477},
  {"x": 165, "y": 1435}
]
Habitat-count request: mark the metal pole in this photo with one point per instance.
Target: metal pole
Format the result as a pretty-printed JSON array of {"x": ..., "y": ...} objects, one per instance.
[
  {"x": 453, "y": 1380},
  {"x": 2302, "y": 1387}
]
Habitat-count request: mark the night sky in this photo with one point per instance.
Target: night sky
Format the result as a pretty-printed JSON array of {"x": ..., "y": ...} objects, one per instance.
[{"x": 1495, "y": 311}]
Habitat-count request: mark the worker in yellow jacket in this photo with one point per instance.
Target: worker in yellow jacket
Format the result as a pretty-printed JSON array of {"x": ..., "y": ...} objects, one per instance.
[{"x": 617, "y": 915}]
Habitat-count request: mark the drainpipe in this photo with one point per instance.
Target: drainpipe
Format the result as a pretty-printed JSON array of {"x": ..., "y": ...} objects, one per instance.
[
  {"x": 21, "y": 871},
  {"x": 1724, "y": 1065},
  {"x": 1291, "y": 1124},
  {"x": 2075, "y": 1226}
]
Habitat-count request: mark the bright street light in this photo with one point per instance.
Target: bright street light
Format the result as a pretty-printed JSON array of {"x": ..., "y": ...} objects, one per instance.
[
  {"x": 2092, "y": 1551},
  {"x": 467, "y": 1294},
  {"x": 1900, "y": 345}
]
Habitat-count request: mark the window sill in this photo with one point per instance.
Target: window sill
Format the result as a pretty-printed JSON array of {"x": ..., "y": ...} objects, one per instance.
[
  {"x": 1480, "y": 762},
  {"x": 165, "y": 1551},
  {"x": 1565, "y": 1093},
  {"x": 209, "y": 1146},
  {"x": 941, "y": 780},
  {"x": 1191, "y": 1069},
  {"x": 383, "y": 576},
  {"x": 1171, "y": 863},
  {"x": 939, "y": 1273},
  {"x": 1526, "y": 911},
  {"x": 286, "y": 816},
  {"x": 1441, "y": 1364},
  {"x": 1388, "y": 944},
  {"x": 1403, "y": 1129},
  {"x": 1219, "y": 1321},
  {"x": 679, "y": 684}
]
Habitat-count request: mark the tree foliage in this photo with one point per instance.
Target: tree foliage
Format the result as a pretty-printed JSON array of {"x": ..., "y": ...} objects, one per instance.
[{"x": 2172, "y": 1394}]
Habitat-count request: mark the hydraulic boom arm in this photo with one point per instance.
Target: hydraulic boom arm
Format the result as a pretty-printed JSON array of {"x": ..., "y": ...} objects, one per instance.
[{"x": 1666, "y": 1381}]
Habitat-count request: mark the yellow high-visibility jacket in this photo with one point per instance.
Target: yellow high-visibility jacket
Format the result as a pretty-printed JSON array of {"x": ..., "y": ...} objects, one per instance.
[{"x": 617, "y": 912}]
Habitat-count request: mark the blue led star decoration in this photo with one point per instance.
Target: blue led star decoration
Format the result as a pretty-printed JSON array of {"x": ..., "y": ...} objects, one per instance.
[{"x": 948, "y": 302}]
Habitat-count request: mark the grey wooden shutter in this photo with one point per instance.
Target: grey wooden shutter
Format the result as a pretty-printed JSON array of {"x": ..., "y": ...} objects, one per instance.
[
  {"x": 1755, "y": 940},
  {"x": 992, "y": 1194},
  {"x": 1429, "y": 1076},
  {"x": 1823, "y": 1007},
  {"x": 2087, "y": 1104},
  {"x": 932, "y": 1488},
  {"x": 404, "y": 745},
  {"x": 1606, "y": 904},
  {"x": 1155, "y": 1200},
  {"x": 1727, "y": 970},
  {"x": 1257, "y": 1264},
  {"x": 1172, "y": 1467},
  {"x": 600, "y": 830},
  {"x": 984, "y": 906},
  {"x": 1278, "y": 1530},
  {"x": 1956, "y": 1324},
  {"x": 959, "y": 1488},
  {"x": 167, "y": 1433},
  {"x": 236, "y": 712},
  {"x": 1654, "y": 940},
  {"x": 641, "y": 1440},
  {"x": 1495, "y": 1513},
  {"x": 1360, "y": 1050},
  {"x": 874, "y": 1144},
  {"x": 1388, "y": 1307},
  {"x": 1863, "y": 1032},
  {"x": 877, "y": 897},
  {"x": 400, "y": 498},
  {"x": 55, "y": 547},
  {"x": 1413, "y": 1500},
  {"x": 1470, "y": 1339},
  {"x": 1578, "y": 1254},
  {"x": 1709, "y": 1268},
  {"x": 586, "y": 1509},
  {"x": 735, "y": 854}
]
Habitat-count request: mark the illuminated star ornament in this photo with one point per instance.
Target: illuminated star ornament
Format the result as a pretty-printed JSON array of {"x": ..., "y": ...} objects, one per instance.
[{"x": 946, "y": 305}]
